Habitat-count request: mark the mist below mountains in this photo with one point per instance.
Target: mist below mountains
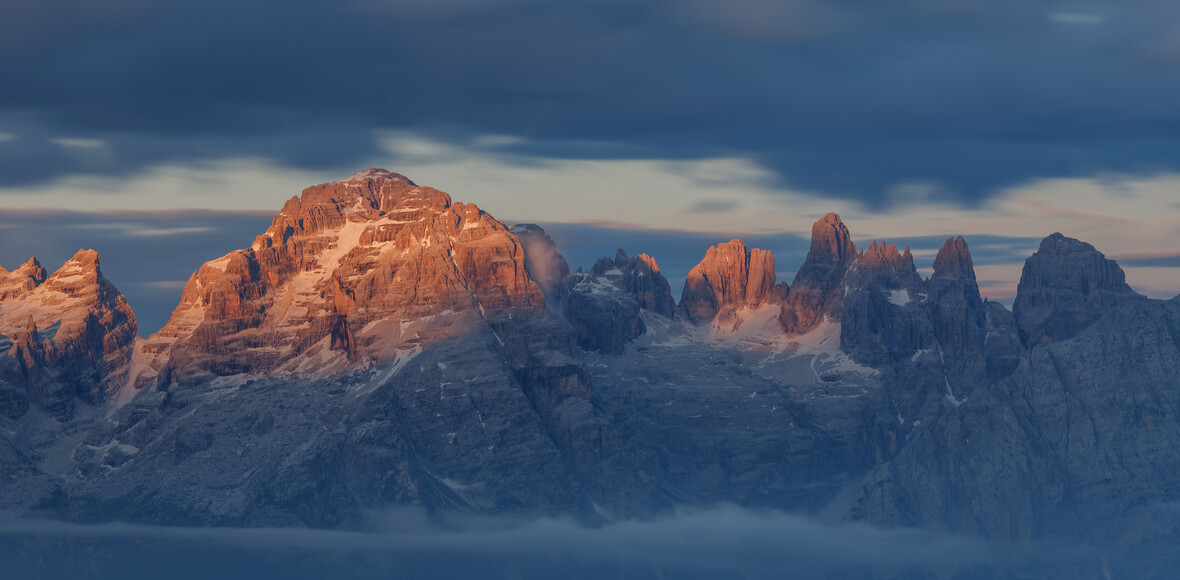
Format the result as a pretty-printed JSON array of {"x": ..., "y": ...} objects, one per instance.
[{"x": 722, "y": 542}]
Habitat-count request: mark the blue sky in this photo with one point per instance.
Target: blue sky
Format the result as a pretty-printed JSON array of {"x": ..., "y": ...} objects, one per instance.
[{"x": 648, "y": 120}]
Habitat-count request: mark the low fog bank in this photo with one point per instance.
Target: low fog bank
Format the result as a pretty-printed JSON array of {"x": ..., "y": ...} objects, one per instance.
[{"x": 724, "y": 542}]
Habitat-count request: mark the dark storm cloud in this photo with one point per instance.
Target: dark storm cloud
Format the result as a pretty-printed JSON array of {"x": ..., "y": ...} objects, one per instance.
[
  {"x": 148, "y": 256},
  {"x": 844, "y": 97}
]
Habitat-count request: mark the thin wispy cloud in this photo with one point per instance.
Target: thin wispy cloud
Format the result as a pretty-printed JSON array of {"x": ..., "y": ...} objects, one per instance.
[
  {"x": 713, "y": 206},
  {"x": 1165, "y": 259},
  {"x": 81, "y": 143}
]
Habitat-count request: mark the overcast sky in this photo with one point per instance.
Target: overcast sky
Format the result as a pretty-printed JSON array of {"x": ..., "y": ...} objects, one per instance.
[{"x": 646, "y": 120}]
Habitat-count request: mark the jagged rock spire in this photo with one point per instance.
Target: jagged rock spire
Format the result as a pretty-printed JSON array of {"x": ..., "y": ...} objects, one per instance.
[
  {"x": 730, "y": 276},
  {"x": 603, "y": 305},
  {"x": 892, "y": 268},
  {"x": 816, "y": 289},
  {"x": 650, "y": 287},
  {"x": 342, "y": 267},
  {"x": 961, "y": 322},
  {"x": 21, "y": 280},
  {"x": 831, "y": 249},
  {"x": 954, "y": 261}
]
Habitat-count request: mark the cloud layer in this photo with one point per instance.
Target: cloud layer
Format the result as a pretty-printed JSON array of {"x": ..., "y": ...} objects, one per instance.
[{"x": 851, "y": 98}]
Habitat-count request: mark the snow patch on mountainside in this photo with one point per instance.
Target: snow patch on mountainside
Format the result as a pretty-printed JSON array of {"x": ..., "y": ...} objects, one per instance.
[
  {"x": 759, "y": 331},
  {"x": 382, "y": 376},
  {"x": 347, "y": 238},
  {"x": 757, "y": 327},
  {"x": 140, "y": 362},
  {"x": 899, "y": 297},
  {"x": 823, "y": 342}
]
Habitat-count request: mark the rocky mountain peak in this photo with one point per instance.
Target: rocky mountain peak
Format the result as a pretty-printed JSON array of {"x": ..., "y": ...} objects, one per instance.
[
  {"x": 885, "y": 257},
  {"x": 73, "y": 334},
  {"x": 977, "y": 340},
  {"x": 817, "y": 290},
  {"x": 84, "y": 264},
  {"x": 954, "y": 260},
  {"x": 338, "y": 280},
  {"x": 620, "y": 256},
  {"x": 650, "y": 262},
  {"x": 1064, "y": 287},
  {"x": 643, "y": 281},
  {"x": 1059, "y": 243},
  {"x": 831, "y": 253},
  {"x": 830, "y": 242},
  {"x": 365, "y": 196},
  {"x": 730, "y": 277},
  {"x": 881, "y": 267},
  {"x": 33, "y": 267},
  {"x": 604, "y": 305},
  {"x": 61, "y": 297},
  {"x": 21, "y": 280},
  {"x": 374, "y": 174},
  {"x": 876, "y": 300}
]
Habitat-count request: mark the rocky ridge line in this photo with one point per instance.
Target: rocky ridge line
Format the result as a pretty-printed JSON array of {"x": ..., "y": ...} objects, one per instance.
[{"x": 64, "y": 338}]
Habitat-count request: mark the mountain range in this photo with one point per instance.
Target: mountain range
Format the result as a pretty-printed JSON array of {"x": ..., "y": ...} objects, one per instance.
[{"x": 382, "y": 345}]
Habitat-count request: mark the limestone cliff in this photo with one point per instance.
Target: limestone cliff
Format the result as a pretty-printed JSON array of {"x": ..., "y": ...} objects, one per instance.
[{"x": 729, "y": 278}]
